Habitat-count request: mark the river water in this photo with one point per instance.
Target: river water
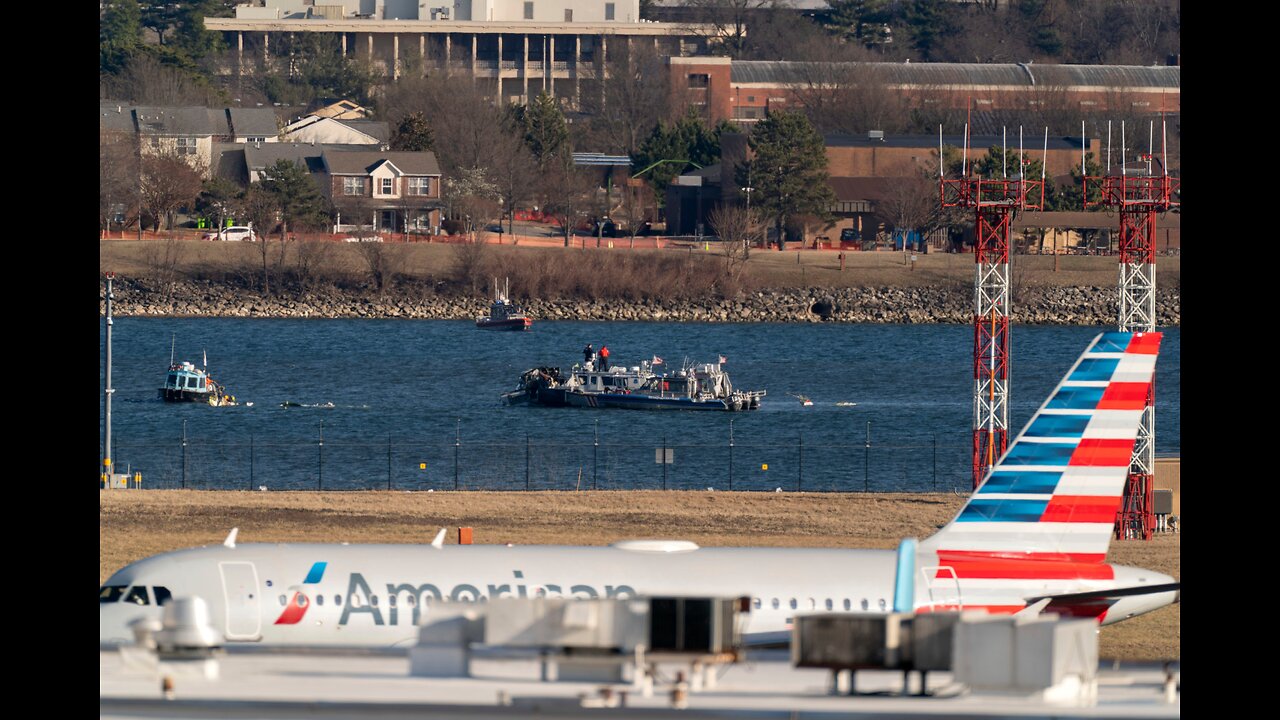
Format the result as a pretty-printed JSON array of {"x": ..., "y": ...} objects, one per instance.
[{"x": 415, "y": 405}]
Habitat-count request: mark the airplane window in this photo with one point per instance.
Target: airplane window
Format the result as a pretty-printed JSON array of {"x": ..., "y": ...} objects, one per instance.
[
  {"x": 391, "y": 600},
  {"x": 162, "y": 594},
  {"x": 320, "y": 600},
  {"x": 756, "y": 603},
  {"x": 337, "y": 600},
  {"x": 411, "y": 601},
  {"x": 830, "y": 605},
  {"x": 283, "y": 601},
  {"x": 865, "y": 605},
  {"x": 373, "y": 600},
  {"x": 110, "y": 593},
  {"x": 302, "y": 600},
  {"x": 775, "y": 603},
  {"x": 357, "y": 601},
  {"x": 848, "y": 605},
  {"x": 137, "y": 596},
  {"x": 794, "y": 604},
  {"x": 882, "y": 603}
]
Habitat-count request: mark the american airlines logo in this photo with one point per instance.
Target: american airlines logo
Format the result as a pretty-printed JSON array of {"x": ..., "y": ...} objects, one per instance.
[{"x": 360, "y": 596}]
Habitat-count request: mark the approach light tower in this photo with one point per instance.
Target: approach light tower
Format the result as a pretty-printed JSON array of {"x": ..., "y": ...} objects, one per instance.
[
  {"x": 1139, "y": 192},
  {"x": 993, "y": 202}
]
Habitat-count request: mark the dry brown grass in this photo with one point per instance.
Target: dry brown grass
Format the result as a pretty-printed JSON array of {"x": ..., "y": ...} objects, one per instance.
[
  {"x": 550, "y": 273},
  {"x": 137, "y": 524}
]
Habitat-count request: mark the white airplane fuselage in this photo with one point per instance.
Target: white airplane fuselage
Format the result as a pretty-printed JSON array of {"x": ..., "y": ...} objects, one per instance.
[{"x": 376, "y": 595}]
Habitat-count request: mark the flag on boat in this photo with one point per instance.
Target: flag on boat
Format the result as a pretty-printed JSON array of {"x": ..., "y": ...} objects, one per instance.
[
  {"x": 656, "y": 360},
  {"x": 723, "y": 360},
  {"x": 206, "y": 358}
]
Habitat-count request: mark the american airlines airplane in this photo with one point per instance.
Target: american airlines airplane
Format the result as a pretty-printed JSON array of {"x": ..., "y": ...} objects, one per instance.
[{"x": 1032, "y": 538}]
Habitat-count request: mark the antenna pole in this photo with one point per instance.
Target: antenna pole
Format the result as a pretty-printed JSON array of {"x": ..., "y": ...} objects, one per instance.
[
  {"x": 964, "y": 161},
  {"x": 1151, "y": 145},
  {"x": 941, "y": 163},
  {"x": 1004, "y": 153},
  {"x": 1108, "y": 147},
  {"x": 1123, "y": 169},
  {"x": 1164, "y": 145},
  {"x": 107, "y": 466}
]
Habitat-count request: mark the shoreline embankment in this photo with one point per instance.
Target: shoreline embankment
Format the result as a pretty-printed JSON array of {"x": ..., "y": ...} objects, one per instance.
[{"x": 1038, "y": 304}]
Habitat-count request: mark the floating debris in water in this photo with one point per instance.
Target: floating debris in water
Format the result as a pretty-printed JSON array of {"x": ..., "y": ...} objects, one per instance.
[
  {"x": 845, "y": 404},
  {"x": 290, "y": 403}
]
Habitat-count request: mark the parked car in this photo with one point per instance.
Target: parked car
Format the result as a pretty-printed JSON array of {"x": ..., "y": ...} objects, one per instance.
[{"x": 242, "y": 233}]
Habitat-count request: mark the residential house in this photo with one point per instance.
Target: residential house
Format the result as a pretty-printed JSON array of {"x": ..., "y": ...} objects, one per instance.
[
  {"x": 395, "y": 191},
  {"x": 188, "y": 132},
  {"x": 329, "y": 131}
]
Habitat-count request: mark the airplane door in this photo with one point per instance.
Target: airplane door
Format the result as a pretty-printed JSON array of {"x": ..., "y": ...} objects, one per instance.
[{"x": 240, "y": 590}]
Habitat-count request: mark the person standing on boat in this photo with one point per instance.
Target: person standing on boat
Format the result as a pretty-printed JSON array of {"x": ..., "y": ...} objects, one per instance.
[
  {"x": 604, "y": 357},
  {"x": 588, "y": 353}
]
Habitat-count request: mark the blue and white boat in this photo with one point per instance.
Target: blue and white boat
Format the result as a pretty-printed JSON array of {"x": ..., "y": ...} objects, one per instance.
[
  {"x": 639, "y": 387},
  {"x": 187, "y": 383}
]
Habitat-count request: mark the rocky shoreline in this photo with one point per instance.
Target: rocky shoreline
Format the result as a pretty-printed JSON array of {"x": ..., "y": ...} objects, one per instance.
[{"x": 1038, "y": 305}]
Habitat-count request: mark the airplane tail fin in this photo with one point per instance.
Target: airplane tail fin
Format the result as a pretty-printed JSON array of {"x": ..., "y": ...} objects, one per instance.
[{"x": 1055, "y": 492}]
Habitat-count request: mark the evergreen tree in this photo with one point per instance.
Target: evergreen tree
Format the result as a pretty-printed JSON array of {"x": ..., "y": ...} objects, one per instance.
[
  {"x": 119, "y": 34},
  {"x": 296, "y": 194},
  {"x": 789, "y": 169},
  {"x": 413, "y": 133},
  {"x": 670, "y": 150},
  {"x": 545, "y": 130}
]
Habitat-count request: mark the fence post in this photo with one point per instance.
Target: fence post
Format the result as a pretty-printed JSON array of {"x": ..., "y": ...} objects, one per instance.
[
  {"x": 320, "y": 476},
  {"x": 731, "y": 455},
  {"x": 935, "y": 462},
  {"x": 800, "y": 476},
  {"x": 184, "y": 451},
  {"x": 866, "y": 461}
]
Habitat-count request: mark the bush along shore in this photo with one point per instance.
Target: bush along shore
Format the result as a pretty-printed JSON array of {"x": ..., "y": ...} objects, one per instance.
[{"x": 1049, "y": 305}]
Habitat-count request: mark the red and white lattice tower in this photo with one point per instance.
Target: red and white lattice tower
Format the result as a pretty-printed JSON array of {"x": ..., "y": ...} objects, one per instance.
[
  {"x": 1139, "y": 192},
  {"x": 993, "y": 202}
]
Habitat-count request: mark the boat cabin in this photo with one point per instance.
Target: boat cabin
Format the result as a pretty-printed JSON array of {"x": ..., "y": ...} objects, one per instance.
[{"x": 186, "y": 378}]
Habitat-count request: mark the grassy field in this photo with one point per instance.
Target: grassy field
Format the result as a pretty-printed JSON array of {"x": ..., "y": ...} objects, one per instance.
[
  {"x": 137, "y": 524},
  {"x": 348, "y": 263}
]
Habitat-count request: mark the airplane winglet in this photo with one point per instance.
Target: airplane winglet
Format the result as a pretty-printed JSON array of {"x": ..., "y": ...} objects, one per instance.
[
  {"x": 231, "y": 538},
  {"x": 1034, "y": 608},
  {"x": 439, "y": 541}
]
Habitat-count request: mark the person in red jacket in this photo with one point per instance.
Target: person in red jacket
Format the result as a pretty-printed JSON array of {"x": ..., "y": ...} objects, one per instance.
[{"x": 604, "y": 357}]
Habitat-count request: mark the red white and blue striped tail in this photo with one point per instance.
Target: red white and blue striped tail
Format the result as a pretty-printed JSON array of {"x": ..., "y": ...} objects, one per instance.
[{"x": 1055, "y": 492}]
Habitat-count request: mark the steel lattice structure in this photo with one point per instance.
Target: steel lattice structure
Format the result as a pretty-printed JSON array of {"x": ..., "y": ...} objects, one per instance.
[
  {"x": 993, "y": 202},
  {"x": 1138, "y": 195}
]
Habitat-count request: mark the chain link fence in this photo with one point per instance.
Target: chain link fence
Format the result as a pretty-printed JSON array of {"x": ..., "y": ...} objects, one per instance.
[{"x": 529, "y": 463}]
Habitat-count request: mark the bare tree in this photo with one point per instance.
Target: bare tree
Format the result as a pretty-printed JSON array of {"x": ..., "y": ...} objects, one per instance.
[
  {"x": 118, "y": 185},
  {"x": 568, "y": 193},
  {"x": 723, "y": 24},
  {"x": 911, "y": 203},
  {"x": 385, "y": 262},
  {"x": 738, "y": 229},
  {"x": 147, "y": 81},
  {"x": 633, "y": 98},
  {"x": 470, "y": 264},
  {"x": 472, "y": 198},
  {"x": 845, "y": 97},
  {"x": 168, "y": 182},
  {"x": 513, "y": 173}
]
